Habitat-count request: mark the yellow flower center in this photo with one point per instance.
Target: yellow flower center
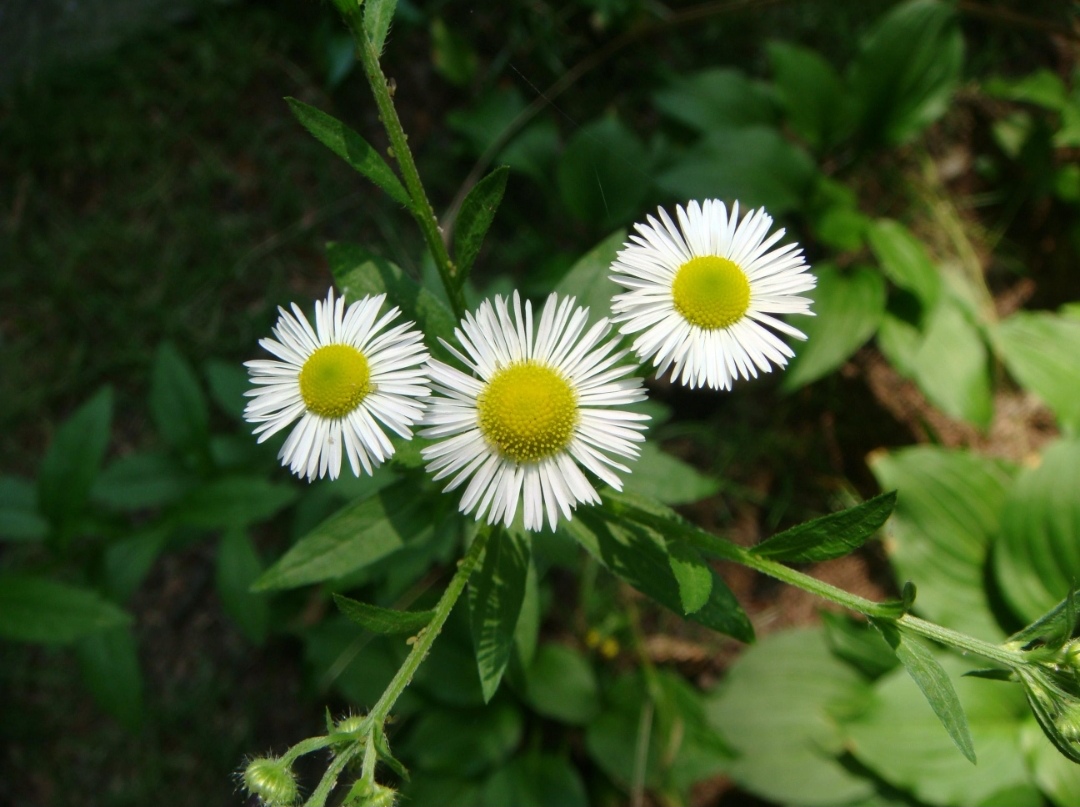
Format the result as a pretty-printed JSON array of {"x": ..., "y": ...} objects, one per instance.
[
  {"x": 711, "y": 292},
  {"x": 334, "y": 380},
  {"x": 527, "y": 412}
]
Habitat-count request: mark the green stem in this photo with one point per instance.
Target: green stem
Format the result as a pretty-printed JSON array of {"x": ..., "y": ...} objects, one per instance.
[
  {"x": 304, "y": 747},
  {"x": 326, "y": 785},
  {"x": 421, "y": 208},
  {"x": 428, "y": 635},
  {"x": 961, "y": 641}
]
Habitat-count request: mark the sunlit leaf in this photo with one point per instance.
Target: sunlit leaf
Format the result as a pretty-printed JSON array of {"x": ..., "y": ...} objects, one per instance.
[
  {"x": 1040, "y": 350},
  {"x": 830, "y": 536}
]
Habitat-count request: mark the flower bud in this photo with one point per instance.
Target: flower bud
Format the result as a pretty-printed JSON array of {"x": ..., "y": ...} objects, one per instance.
[
  {"x": 369, "y": 794},
  {"x": 272, "y": 781}
]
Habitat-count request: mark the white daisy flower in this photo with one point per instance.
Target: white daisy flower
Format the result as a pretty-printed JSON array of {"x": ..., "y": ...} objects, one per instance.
[
  {"x": 345, "y": 380},
  {"x": 701, "y": 295},
  {"x": 539, "y": 404}
]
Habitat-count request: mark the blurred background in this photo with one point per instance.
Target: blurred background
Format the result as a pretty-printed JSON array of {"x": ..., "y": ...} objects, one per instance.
[{"x": 158, "y": 202}]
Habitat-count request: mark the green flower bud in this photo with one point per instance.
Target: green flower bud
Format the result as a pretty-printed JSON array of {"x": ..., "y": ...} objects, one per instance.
[
  {"x": 369, "y": 794},
  {"x": 272, "y": 781}
]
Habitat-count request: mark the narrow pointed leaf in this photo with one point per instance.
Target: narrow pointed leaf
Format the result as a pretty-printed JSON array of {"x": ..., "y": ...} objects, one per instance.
[
  {"x": 350, "y": 147},
  {"x": 904, "y": 260},
  {"x": 238, "y": 566},
  {"x": 477, "y": 213},
  {"x": 177, "y": 401},
  {"x": 382, "y": 620},
  {"x": 377, "y": 17},
  {"x": 934, "y": 682},
  {"x": 109, "y": 662},
  {"x": 496, "y": 592},
  {"x": 382, "y": 748},
  {"x": 35, "y": 609},
  {"x": 831, "y": 536}
]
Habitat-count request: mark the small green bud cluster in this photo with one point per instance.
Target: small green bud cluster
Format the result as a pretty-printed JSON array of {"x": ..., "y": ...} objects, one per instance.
[
  {"x": 370, "y": 794},
  {"x": 271, "y": 781}
]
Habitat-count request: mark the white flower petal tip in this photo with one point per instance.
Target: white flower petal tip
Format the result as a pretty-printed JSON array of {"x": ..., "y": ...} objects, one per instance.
[
  {"x": 701, "y": 294},
  {"x": 347, "y": 380},
  {"x": 538, "y": 405}
]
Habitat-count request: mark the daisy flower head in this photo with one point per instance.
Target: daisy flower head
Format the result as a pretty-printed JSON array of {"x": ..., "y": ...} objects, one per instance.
[
  {"x": 701, "y": 295},
  {"x": 540, "y": 404},
  {"x": 347, "y": 380}
]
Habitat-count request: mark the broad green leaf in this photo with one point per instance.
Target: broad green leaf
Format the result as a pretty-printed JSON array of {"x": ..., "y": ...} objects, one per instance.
[
  {"x": 474, "y": 219},
  {"x": 906, "y": 71},
  {"x": 656, "y": 731},
  {"x": 496, "y": 591},
  {"x": 238, "y": 567},
  {"x": 952, "y": 365},
  {"x": 1037, "y": 556},
  {"x": 234, "y": 501},
  {"x": 904, "y": 260},
  {"x": 899, "y": 738},
  {"x": 1040, "y": 349},
  {"x": 377, "y": 17},
  {"x": 127, "y": 562},
  {"x": 947, "y": 512},
  {"x": 933, "y": 681},
  {"x": 109, "y": 662},
  {"x": 143, "y": 480},
  {"x": 588, "y": 279},
  {"x": 535, "y": 779},
  {"x": 812, "y": 92},
  {"x": 350, "y": 147},
  {"x": 899, "y": 338},
  {"x": 1057, "y": 776},
  {"x": 601, "y": 174},
  {"x": 177, "y": 403},
  {"x": 382, "y": 620},
  {"x": 19, "y": 516},
  {"x": 465, "y": 741},
  {"x": 1043, "y": 88},
  {"x": 227, "y": 382},
  {"x": 848, "y": 308},
  {"x": 769, "y": 171},
  {"x": 717, "y": 99},
  {"x": 356, "y": 536},
  {"x": 72, "y": 461},
  {"x": 830, "y": 536},
  {"x": 640, "y": 556},
  {"x": 358, "y": 272},
  {"x": 36, "y": 609},
  {"x": 776, "y": 709},
  {"x": 561, "y": 684},
  {"x": 658, "y": 475}
]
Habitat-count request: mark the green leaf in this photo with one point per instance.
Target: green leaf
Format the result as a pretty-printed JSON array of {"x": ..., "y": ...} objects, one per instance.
[
  {"x": 717, "y": 99},
  {"x": 588, "y": 279},
  {"x": 238, "y": 567},
  {"x": 1040, "y": 349},
  {"x": 382, "y": 620},
  {"x": 898, "y": 737},
  {"x": 947, "y": 512},
  {"x": 848, "y": 309},
  {"x": 527, "y": 630},
  {"x": 177, "y": 403},
  {"x": 128, "y": 561},
  {"x": 139, "y": 481},
  {"x": 35, "y": 609},
  {"x": 769, "y": 172},
  {"x": 906, "y": 71},
  {"x": 858, "y": 643},
  {"x": 1037, "y": 556},
  {"x": 465, "y": 741},
  {"x": 382, "y": 748},
  {"x": 812, "y": 92},
  {"x": 350, "y": 147},
  {"x": 227, "y": 382},
  {"x": 451, "y": 55},
  {"x": 830, "y": 536},
  {"x": 658, "y": 475},
  {"x": 358, "y": 272},
  {"x": 535, "y": 779},
  {"x": 933, "y": 681},
  {"x": 356, "y": 536},
  {"x": 600, "y": 174},
  {"x": 495, "y": 596},
  {"x": 377, "y": 17},
  {"x": 904, "y": 261},
  {"x": 73, "y": 459},
  {"x": 692, "y": 573},
  {"x": 474, "y": 219},
  {"x": 952, "y": 367},
  {"x": 776, "y": 707},
  {"x": 19, "y": 516},
  {"x": 235, "y": 501},
  {"x": 560, "y": 684},
  {"x": 1043, "y": 88},
  {"x": 640, "y": 556},
  {"x": 109, "y": 662}
]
